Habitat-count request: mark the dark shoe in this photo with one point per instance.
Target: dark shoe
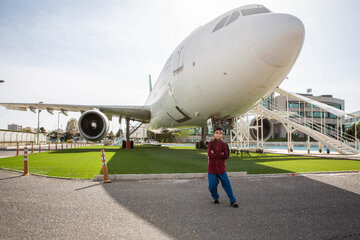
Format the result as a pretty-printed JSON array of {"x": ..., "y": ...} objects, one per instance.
[
  {"x": 235, "y": 205},
  {"x": 216, "y": 201}
]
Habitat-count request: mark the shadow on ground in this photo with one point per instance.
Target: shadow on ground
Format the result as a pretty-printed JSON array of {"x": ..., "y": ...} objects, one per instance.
[{"x": 270, "y": 208}]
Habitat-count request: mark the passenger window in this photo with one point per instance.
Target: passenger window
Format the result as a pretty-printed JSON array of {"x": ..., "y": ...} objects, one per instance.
[
  {"x": 221, "y": 23},
  {"x": 233, "y": 17}
]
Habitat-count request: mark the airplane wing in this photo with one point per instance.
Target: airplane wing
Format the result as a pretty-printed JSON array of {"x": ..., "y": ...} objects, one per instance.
[{"x": 137, "y": 113}]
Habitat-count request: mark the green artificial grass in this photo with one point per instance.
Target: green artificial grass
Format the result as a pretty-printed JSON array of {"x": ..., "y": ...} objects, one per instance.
[{"x": 86, "y": 162}]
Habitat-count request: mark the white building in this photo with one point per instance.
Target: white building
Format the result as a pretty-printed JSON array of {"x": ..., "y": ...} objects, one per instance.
[{"x": 14, "y": 127}]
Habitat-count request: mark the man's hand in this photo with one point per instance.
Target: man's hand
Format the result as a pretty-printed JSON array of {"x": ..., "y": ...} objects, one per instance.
[
  {"x": 212, "y": 151},
  {"x": 222, "y": 153}
]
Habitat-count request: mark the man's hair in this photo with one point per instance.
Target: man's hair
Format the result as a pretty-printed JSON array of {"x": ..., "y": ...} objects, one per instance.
[{"x": 218, "y": 129}]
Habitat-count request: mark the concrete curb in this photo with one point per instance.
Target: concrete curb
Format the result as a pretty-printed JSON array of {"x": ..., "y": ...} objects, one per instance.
[{"x": 164, "y": 176}]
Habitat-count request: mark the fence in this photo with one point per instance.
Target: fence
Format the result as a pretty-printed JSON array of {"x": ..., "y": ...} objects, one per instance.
[{"x": 11, "y": 138}]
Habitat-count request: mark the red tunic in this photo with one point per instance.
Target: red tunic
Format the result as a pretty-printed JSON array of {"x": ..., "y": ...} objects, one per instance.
[{"x": 217, "y": 158}]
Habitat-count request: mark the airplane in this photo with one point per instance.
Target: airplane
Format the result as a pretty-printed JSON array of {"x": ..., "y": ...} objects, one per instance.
[{"x": 221, "y": 70}]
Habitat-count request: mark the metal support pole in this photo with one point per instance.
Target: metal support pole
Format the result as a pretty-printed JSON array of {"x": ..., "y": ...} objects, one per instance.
[
  {"x": 127, "y": 130},
  {"x": 262, "y": 131},
  {"x": 308, "y": 144},
  {"x": 57, "y": 137},
  {"x": 355, "y": 125},
  {"x": 203, "y": 136},
  {"x": 299, "y": 112},
  {"x": 26, "y": 163},
  {"x": 257, "y": 129},
  {"x": 38, "y": 128},
  {"x": 341, "y": 132},
  {"x": 337, "y": 128},
  {"x": 312, "y": 117}
]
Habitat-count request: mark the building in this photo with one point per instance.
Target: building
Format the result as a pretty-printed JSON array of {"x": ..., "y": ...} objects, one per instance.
[
  {"x": 307, "y": 110},
  {"x": 14, "y": 127}
]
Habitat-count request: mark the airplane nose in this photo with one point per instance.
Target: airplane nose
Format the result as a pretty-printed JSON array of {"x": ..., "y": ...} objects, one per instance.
[{"x": 277, "y": 38}]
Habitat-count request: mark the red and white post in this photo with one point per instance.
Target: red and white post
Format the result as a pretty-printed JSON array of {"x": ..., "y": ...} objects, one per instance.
[
  {"x": 26, "y": 163},
  {"x": 17, "y": 149},
  {"x": 105, "y": 171}
]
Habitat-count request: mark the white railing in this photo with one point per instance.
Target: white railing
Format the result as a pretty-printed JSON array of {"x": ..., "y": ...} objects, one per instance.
[{"x": 11, "y": 138}]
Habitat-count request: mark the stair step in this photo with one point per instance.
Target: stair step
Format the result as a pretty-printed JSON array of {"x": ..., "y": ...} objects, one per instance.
[{"x": 324, "y": 139}]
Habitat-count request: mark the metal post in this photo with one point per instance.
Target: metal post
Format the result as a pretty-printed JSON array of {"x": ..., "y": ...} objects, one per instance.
[
  {"x": 127, "y": 133},
  {"x": 341, "y": 132},
  {"x": 38, "y": 128},
  {"x": 312, "y": 117},
  {"x": 337, "y": 127},
  {"x": 257, "y": 128},
  {"x": 299, "y": 112},
  {"x": 57, "y": 137},
  {"x": 26, "y": 163},
  {"x": 308, "y": 144},
  {"x": 355, "y": 125},
  {"x": 262, "y": 130},
  {"x": 288, "y": 118}
]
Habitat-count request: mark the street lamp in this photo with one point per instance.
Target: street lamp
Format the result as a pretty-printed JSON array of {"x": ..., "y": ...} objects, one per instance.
[{"x": 38, "y": 128}]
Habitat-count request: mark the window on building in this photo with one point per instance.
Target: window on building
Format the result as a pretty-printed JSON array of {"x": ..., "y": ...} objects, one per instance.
[
  {"x": 338, "y": 106},
  {"x": 333, "y": 116},
  {"x": 293, "y": 105}
]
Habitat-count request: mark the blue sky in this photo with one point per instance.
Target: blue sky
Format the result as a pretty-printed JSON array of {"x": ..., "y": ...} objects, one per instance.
[{"x": 101, "y": 52}]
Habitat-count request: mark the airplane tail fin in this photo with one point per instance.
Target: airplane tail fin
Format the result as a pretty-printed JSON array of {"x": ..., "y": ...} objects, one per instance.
[{"x": 150, "y": 85}]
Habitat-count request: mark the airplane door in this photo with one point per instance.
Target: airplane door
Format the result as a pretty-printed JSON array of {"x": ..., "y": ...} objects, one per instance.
[
  {"x": 178, "y": 62},
  {"x": 175, "y": 112}
]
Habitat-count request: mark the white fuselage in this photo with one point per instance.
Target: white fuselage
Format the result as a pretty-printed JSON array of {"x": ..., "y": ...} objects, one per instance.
[{"x": 224, "y": 73}]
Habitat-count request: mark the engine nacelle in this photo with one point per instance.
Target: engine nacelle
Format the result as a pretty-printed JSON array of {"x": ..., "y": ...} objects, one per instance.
[
  {"x": 267, "y": 128},
  {"x": 93, "y": 125}
]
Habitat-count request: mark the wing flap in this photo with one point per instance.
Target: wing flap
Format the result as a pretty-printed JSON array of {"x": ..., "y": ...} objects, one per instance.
[{"x": 138, "y": 113}]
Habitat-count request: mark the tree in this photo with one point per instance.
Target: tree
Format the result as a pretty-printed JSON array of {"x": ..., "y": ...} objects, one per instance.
[
  {"x": 111, "y": 135},
  {"x": 351, "y": 130},
  {"x": 182, "y": 135},
  {"x": 119, "y": 133},
  {"x": 72, "y": 126},
  {"x": 42, "y": 130},
  {"x": 27, "y": 130}
]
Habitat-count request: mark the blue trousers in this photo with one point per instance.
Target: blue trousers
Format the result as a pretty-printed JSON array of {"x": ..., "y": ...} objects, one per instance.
[{"x": 225, "y": 182}]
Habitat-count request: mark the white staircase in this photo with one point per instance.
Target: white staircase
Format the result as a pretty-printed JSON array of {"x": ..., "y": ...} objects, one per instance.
[
  {"x": 327, "y": 136},
  {"x": 337, "y": 145}
]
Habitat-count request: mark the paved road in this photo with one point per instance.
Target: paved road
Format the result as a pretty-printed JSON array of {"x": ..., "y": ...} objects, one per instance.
[{"x": 300, "y": 207}]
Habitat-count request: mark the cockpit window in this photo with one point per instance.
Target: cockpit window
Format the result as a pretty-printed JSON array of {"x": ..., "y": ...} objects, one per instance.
[
  {"x": 221, "y": 23},
  {"x": 233, "y": 17},
  {"x": 252, "y": 11}
]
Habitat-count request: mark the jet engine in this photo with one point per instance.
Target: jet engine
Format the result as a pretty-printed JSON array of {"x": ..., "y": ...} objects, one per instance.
[
  {"x": 93, "y": 125},
  {"x": 267, "y": 128}
]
